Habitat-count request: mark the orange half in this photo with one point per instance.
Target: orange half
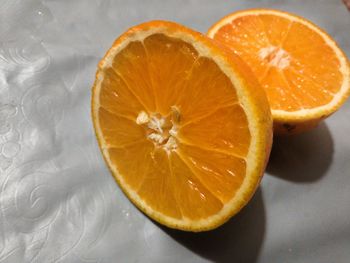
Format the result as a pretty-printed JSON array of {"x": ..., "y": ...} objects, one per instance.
[
  {"x": 184, "y": 128},
  {"x": 305, "y": 74}
]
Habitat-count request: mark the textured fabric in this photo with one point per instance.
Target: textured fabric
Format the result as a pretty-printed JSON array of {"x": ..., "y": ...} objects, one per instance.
[{"x": 58, "y": 201}]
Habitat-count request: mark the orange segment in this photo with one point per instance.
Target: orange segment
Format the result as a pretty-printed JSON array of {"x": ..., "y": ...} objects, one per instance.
[
  {"x": 158, "y": 187},
  {"x": 119, "y": 131},
  {"x": 133, "y": 161},
  {"x": 246, "y": 41},
  {"x": 315, "y": 59},
  {"x": 131, "y": 66},
  {"x": 184, "y": 133},
  {"x": 224, "y": 129},
  {"x": 304, "y": 73},
  {"x": 195, "y": 200},
  {"x": 276, "y": 28},
  {"x": 168, "y": 78},
  {"x": 203, "y": 91},
  {"x": 118, "y": 99},
  {"x": 220, "y": 173},
  {"x": 281, "y": 92}
]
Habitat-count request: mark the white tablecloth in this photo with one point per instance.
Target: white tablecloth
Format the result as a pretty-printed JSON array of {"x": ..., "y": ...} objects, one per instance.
[{"x": 58, "y": 201}]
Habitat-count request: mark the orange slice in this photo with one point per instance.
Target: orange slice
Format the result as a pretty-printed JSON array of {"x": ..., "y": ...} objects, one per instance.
[
  {"x": 184, "y": 128},
  {"x": 304, "y": 73}
]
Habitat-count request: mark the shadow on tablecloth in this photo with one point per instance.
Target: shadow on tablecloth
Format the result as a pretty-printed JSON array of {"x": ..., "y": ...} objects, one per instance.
[
  {"x": 302, "y": 158},
  {"x": 239, "y": 240}
]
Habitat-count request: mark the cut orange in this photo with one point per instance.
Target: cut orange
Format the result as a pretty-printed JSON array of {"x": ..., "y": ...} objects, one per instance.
[
  {"x": 303, "y": 71},
  {"x": 184, "y": 128}
]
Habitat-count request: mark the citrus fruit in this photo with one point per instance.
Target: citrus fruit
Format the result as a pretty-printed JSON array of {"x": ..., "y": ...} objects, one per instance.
[
  {"x": 184, "y": 127},
  {"x": 301, "y": 68}
]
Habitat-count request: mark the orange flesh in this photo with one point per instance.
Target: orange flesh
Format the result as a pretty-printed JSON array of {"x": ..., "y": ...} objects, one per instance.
[
  {"x": 196, "y": 177},
  {"x": 292, "y": 62}
]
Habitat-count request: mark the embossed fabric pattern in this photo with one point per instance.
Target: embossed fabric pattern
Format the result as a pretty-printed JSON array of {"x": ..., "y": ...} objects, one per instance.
[{"x": 58, "y": 201}]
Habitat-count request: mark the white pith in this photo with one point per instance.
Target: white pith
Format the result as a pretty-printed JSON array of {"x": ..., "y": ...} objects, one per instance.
[
  {"x": 276, "y": 56},
  {"x": 160, "y": 130}
]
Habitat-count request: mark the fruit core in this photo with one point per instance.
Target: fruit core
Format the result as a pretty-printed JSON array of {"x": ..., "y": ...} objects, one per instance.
[
  {"x": 275, "y": 56},
  {"x": 161, "y": 130}
]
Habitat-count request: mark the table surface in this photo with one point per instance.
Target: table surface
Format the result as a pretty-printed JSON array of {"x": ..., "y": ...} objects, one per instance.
[{"x": 58, "y": 201}]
